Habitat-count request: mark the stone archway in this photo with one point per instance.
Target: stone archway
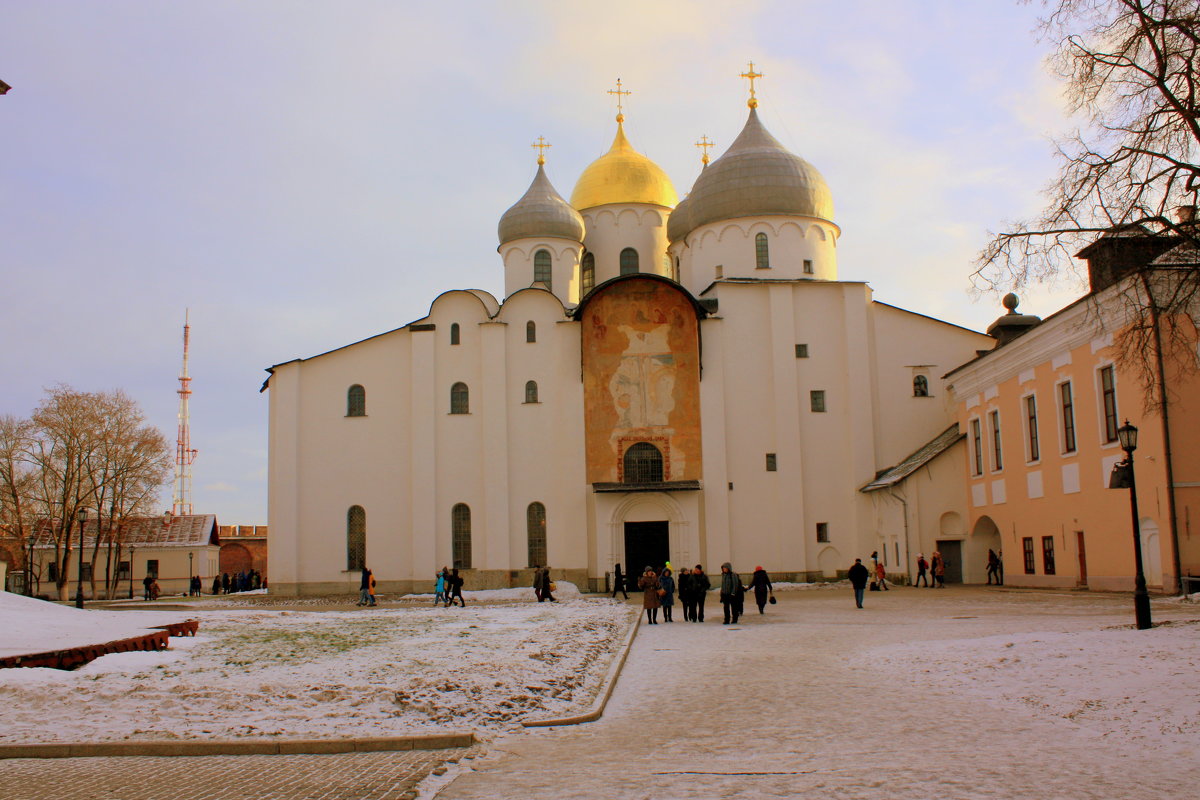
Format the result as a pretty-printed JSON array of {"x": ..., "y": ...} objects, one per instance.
[
  {"x": 235, "y": 558},
  {"x": 829, "y": 561},
  {"x": 985, "y": 535},
  {"x": 654, "y": 526}
]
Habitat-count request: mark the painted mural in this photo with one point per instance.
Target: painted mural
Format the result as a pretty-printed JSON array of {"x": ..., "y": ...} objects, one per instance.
[{"x": 641, "y": 378}]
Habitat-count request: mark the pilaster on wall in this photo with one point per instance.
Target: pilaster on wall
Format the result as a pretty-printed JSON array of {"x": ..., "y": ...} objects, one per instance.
[
  {"x": 494, "y": 404},
  {"x": 713, "y": 543},
  {"x": 422, "y": 518},
  {"x": 790, "y": 475}
]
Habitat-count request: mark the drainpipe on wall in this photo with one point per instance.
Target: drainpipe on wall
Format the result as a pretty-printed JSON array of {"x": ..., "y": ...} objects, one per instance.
[
  {"x": 907, "y": 551},
  {"x": 1160, "y": 375}
]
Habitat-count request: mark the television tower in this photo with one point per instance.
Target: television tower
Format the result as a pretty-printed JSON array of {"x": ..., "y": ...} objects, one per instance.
[{"x": 184, "y": 454}]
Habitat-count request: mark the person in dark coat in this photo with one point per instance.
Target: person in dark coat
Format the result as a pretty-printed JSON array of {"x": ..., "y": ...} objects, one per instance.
[
  {"x": 146, "y": 581},
  {"x": 225, "y": 583},
  {"x": 364, "y": 587},
  {"x": 922, "y": 569},
  {"x": 547, "y": 585},
  {"x": 667, "y": 583},
  {"x": 993, "y": 566},
  {"x": 537, "y": 582},
  {"x": 858, "y": 575},
  {"x": 456, "y": 584},
  {"x": 216, "y": 584},
  {"x": 700, "y": 587},
  {"x": 619, "y": 582},
  {"x": 686, "y": 598},
  {"x": 760, "y": 582},
  {"x": 649, "y": 585},
  {"x": 732, "y": 594}
]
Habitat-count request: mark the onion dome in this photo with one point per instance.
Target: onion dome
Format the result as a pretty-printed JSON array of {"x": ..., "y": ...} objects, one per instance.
[
  {"x": 542, "y": 211},
  {"x": 756, "y": 177},
  {"x": 623, "y": 175},
  {"x": 677, "y": 222}
]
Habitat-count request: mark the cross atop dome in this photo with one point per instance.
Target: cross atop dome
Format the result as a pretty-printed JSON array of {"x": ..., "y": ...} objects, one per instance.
[
  {"x": 541, "y": 144},
  {"x": 704, "y": 144},
  {"x": 752, "y": 75},
  {"x": 620, "y": 104}
]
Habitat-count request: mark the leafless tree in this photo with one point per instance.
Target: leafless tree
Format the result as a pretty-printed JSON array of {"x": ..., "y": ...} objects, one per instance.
[
  {"x": 1132, "y": 69},
  {"x": 17, "y": 509}
]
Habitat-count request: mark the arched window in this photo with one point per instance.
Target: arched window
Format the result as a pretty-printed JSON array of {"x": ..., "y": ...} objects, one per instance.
[
  {"x": 356, "y": 401},
  {"x": 762, "y": 258},
  {"x": 535, "y": 525},
  {"x": 356, "y": 538},
  {"x": 920, "y": 386},
  {"x": 587, "y": 273},
  {"x": 460, "y": 542},
  {"x": 531, "y": 392},
  {"x": 530, "y": 331},
  {"x": 460, "y": 399},
  {"x": 629, "y": 261},
  {"x": 454, "y": 333},
  {"x": 541, "y": 267},
  {"x": 643, "y": 464}
]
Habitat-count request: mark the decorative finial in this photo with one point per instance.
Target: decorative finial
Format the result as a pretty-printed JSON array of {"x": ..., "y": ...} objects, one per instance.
[
  {"x": 704, "y": 144},
  {"x": 541, "y": 144},
  {"x": 753, "y": 101},
  {"x": 620, "y": 104},
  {"x": 1010, "y": 302}
]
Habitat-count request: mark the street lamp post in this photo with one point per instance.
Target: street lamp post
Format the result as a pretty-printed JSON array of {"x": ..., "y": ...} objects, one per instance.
[
  {"x": 29, "y": 569},
  {"x": 132, "y": 551},
  {"x": 82, "y": 524},
  {"x": 1128, "y": 435},
  {"x": 190, "y": 555}
]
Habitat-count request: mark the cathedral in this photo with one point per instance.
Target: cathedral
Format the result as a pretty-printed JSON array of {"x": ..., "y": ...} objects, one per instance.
[{"x": 663, "y": 380}]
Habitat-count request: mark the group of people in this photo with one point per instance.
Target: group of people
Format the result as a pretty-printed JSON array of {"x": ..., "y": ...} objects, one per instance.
[
  {"x": 936, "y": 567},
  {"x": 244, "y": 581},
  {"x": 543, "y": 587},
  {"x": 447, "y": 588},
  {"x": 659, "y": 588},
  {"x": 366, "y": 588}
]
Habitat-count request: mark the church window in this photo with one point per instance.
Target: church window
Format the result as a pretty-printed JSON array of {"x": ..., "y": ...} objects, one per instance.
[
  {"x": 920, "y": 386},
  {"x": 822, "y": 531},
  {"x": 535, "y": 526},
  {"x": 761, "y": 257},
  {"x": 356, "y": 538},
  {"x": 460, "y": 531},
  {"x": 816, "y": 399},
  {"x": 454, "y": 331},
  {"x": 530, "y": 331},
  {"x": 541, "y": 267},
  {"x": 808, "y": 267},
  {"x": 629, "y": 261},
  {"x": 643, "y": 464},
  {"x": 587, "y": 272},
  {"x": 460, "y": 399},
  {"x": 771, "y": 462},
  {"x": 356, "y": 401},
  {"x": 801, "y": 351},
  {"x": 531, "y": 395}
]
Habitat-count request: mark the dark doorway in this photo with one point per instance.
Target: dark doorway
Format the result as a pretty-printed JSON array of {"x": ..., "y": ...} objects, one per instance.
[
  {"x": 646, "y": 544},
  {"x": 951, "y": 550},
  {"x": 1082, "y": 581}
]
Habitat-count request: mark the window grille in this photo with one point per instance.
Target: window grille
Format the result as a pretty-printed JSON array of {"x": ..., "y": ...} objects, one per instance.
[
  {"x": 460, "y": 399},
  {"x": 535, "y": 526},
  {"x": 356, "y": 401},
  {"x": 587, "y": 273},
  {"x": 454, "y": 333},
  {"x": 629, "y": 261},
  {"x": 531, "y": 392},
  {"x": 460, "y": 526},
  {"x": 643, "y": 464},
  {"x": 356, "y": 538},
  {"x": 761, "y": 254},
  {"x": 541, "y": 267}
]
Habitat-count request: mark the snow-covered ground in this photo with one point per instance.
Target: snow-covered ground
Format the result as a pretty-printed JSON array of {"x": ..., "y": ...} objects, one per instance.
[
  {"x": 298, "y": 674},
  {"x": 30, "y": 626}
]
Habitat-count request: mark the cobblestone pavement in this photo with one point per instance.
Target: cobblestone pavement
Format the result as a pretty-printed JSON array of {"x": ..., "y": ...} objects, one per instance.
[
  {"x": 788, "y": 705},
  {"x": 349, "y": 776}
]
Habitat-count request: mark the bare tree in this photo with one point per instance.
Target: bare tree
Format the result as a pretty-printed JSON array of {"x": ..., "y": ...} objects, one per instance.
[
  {"x": 17, "y": 480},
  {"x": 1132, "y": 69}
]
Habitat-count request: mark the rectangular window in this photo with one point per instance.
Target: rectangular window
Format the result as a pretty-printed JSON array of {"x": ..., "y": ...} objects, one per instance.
[
  {"x": 976, "y": 448},
  {"x": 1027, "y": 549},
  {"x": 1031, "y": 429},
  {"x": 822, "y": 531},
  {"x": 1048, "y": 555},
  {"x": 86, "y": 569},
  {"x": 1068, "y": 417},
  {"x": 801, "y": 351},
  {"x": 771, "y": 462},
  {"x": 53, "y": 576},
  {"x": 816, "y": 399},
  {"x": 152, "y": 567},
  {"x": 997, "y": 453},
  {"x": 123, "y": 570},
  {"x": 808, "y": 267},
  {"x": 1108, "y": 392}
]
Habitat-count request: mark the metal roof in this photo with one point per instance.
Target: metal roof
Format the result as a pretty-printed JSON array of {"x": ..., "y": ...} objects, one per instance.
[{"x": 893, "y": 475}]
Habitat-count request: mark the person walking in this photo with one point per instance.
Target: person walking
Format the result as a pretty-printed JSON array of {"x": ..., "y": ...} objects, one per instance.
[
  {"x": 456, "y": 584},
  {"x": 547, "y": 586},
  {"x": 939, "y": 571},
  {"x": 649, "y": 585},
  {"x": 993, "y": 566},
  {"x": 732, "y": 593},
  {"x": 700, "y": 586},
  {"x": 370, "y": 588},
  {"x": 760, "y": 582},
  {"x": 922, "y": 568},
  {"x": 216, "y": 587},
  {"x": 439, "y": 587},
  {"x": 537, "y": 582},
  {"x": 225, "y": 583},
  {"x": 858, "y": 575},
  {"x": 146, "y": 581},
  {"x": 619, "y": 582},
  {"x": 881, "y": 576},
  {"x": 1000, "y": 568},
  {"x": 686, "y": 598},
  {"x": 364, "y": 587},
  {"x": 666, "y": 584}
]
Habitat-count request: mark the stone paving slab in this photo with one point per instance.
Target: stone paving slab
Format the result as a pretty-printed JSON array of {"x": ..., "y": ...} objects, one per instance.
[{"x": 391, "y": 775}]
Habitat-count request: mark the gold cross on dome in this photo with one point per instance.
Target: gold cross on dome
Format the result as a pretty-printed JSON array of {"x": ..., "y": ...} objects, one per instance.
[
  {"x": 620, "y": 103},
  {"x": 541, "y": 144},
  {"x": 752, "y": 75},
  {"x": 704, "y": 144}
]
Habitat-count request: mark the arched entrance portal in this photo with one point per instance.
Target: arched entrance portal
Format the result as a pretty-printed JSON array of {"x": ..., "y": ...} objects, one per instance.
[
  {"x": 647, "y": 531},
  {"x": 984, "y": 536}
]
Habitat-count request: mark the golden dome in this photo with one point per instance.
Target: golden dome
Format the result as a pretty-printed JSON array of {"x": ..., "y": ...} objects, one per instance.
[{"x": 623, "y": 175}]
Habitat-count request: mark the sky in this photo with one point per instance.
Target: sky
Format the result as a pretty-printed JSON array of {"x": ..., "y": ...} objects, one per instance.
[{"x": 299, "y": 176}]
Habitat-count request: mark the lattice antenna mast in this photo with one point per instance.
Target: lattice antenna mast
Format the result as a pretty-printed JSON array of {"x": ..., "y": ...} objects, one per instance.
[{"x": 184, "y": 454}]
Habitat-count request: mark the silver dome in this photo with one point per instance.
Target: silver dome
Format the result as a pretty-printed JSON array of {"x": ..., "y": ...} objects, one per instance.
[
  {"x": 541, "y": 211},
  {"x": 677, "y": 223},
  {"x": 755, "y": 177}
]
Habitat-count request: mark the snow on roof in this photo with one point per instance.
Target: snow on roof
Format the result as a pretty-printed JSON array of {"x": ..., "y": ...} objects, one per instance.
[
  {"x": 940, "y": 444},
  {"x": 186, "y": 530}
]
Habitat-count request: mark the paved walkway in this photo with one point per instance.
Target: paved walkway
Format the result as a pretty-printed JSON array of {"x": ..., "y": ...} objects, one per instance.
[{"x": 783, "y": 706}]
